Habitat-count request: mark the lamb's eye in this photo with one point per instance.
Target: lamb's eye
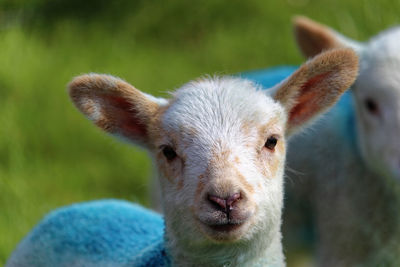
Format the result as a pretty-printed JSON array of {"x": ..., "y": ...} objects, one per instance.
[
  {"x": 371, "y": 106},
  {"x": 169, "y": 153},
  {"x": 271, "y": 142}
]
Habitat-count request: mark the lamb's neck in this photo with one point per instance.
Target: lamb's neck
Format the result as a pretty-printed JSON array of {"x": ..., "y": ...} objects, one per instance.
[
  {"x": 257, "y": 252},
  {"x": 382, "y": 196},
  {"x": 369, "y": 202}
]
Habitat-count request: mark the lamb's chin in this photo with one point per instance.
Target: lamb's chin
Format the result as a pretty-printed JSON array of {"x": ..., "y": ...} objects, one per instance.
[{"x": 225, "y": 233}]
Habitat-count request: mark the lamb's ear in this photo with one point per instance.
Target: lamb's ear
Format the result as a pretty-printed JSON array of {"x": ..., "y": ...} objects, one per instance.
[
  {"x": 316, "y": 86},
  {"x": 115, "y": 106},
  {"x": 313, "y": 38}
]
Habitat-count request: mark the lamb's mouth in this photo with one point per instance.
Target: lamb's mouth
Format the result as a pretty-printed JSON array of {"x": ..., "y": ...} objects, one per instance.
[
  {"x": 223, "y": 230},
  {"x": 228, "y": 227},
  {"x": 224, "y": 227}
]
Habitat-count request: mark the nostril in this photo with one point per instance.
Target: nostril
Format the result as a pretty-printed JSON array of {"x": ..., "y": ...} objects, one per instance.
[
  {"x": 230, "y": 202},
  {"x": 217, "y": 201}
]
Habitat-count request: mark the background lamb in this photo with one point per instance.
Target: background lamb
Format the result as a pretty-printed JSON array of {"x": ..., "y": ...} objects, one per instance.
[
  {"x": 353, "y": 184},
  {"x": 220, "y": 162}
]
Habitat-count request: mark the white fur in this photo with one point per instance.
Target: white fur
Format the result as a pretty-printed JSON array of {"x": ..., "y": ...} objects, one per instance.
[{"x": 217, "y": 108}]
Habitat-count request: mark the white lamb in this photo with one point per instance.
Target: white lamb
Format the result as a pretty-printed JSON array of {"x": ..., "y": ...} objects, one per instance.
[
  {"x": 352, "y": 185},
  {"x": 219, "y": 144}
]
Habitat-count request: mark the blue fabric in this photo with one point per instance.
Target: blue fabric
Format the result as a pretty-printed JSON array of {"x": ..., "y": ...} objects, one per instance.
[
  {"x": 98, "y": 233},
  {"x": 269, "y": 77}
]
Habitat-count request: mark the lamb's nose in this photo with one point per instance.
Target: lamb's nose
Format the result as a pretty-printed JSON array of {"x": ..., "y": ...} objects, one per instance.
[{"x": 224, "y": 204}]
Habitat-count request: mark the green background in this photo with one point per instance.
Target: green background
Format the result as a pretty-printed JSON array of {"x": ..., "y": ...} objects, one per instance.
[{"x": 50, "y": 155}]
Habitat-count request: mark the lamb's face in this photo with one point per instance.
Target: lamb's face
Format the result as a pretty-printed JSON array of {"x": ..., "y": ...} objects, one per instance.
[
  {"x": 377, "y": 101},
  {"x": 220, "y": 152}
]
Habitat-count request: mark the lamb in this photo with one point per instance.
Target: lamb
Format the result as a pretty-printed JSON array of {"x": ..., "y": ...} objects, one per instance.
[
  {"x": 352, "y": 187},
  {"x": 219, "y": 145}
]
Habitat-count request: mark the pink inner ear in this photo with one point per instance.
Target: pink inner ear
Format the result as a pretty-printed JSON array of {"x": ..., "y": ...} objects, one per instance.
[
  {"x": 309, "y": 100},
  {"x": 124, "y": 117}
]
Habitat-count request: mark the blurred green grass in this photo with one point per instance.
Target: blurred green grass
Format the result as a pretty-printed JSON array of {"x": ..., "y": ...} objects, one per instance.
[{"x": 51, "y": 156}]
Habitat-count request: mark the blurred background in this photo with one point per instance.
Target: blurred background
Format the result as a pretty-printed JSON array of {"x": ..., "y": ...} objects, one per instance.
[{"x": 50, "y": 155}]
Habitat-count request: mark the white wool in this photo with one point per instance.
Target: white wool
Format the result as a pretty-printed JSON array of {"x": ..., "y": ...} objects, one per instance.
[{"x": 217, "y": 109}]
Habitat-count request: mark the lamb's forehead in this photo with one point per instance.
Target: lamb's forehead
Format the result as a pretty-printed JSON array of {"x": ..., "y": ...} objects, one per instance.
[
  {"x": 383, "y": 48},
  {"x": 221, "y": 104},
  {"x": 380, "y": 63}
]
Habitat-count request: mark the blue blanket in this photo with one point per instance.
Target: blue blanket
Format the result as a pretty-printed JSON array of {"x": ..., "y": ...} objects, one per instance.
[
  {"x": 269, "y": 77},
  {"x": 98, "y": 233}
]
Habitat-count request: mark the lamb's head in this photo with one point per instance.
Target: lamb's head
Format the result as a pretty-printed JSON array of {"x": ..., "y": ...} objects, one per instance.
[
  {"x": 376, "y": 92},
  {"x": 219, "y": 144}
]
